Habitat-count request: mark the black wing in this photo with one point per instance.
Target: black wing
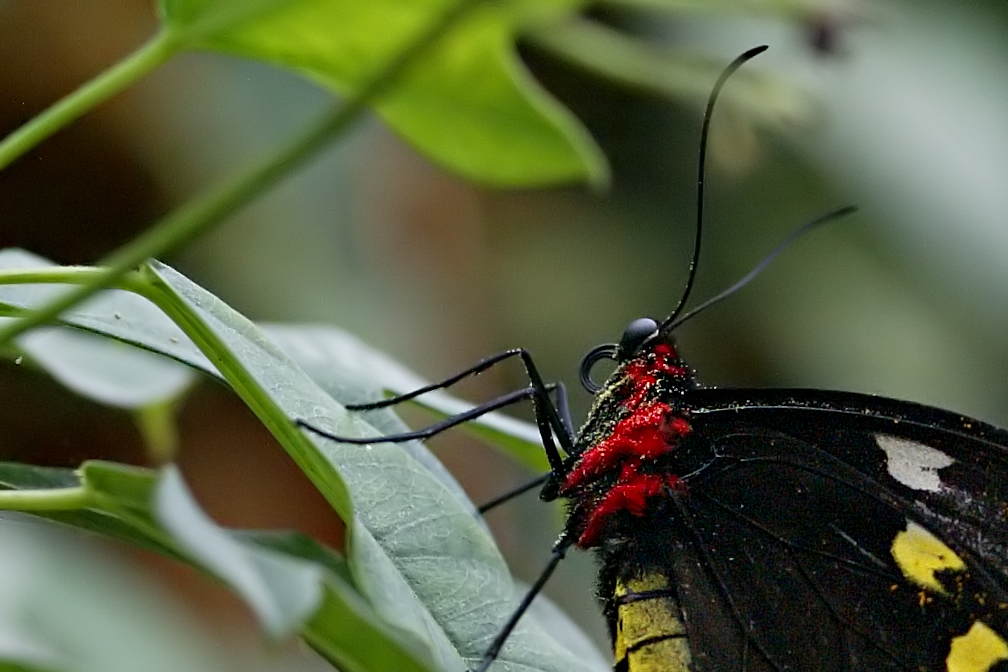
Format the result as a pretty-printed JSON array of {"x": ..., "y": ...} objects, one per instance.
[{"x": 833, "y": 531}]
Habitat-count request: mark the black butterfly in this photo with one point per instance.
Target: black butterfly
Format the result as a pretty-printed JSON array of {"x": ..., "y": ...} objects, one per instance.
[
  {"x": 769, "y": 530},
  {"x": 789, "y": 529}
]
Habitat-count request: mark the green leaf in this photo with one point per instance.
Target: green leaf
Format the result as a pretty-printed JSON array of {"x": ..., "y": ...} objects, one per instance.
[
  {"x": 44, "y": 491},
  {"x": 109, "y": 372},
  {"x": 101, "y": 369},
  {"x": 352, "y": 372},
  {"x": 31, "y": 477},
  {"x": 62, "y": 609},
  {"x": 290, "y": 583},
  {"x": 796, "y": 10},
  {"x": 467, "y": 102},
  {"x": 349, "y": 370},
  {"x": 66, "y": 606},
  {"x": 416, "y": 553},
  {"x": 282, "y": 592}
]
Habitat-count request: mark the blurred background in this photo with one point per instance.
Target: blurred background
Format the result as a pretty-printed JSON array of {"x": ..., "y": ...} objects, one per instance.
[{"x": 907, "y": 117}]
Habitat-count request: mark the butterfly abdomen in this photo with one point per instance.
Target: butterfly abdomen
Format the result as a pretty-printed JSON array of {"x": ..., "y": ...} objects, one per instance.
[
  {"x": 647, "y": 632},
  {"x": 640, "y": 597}
]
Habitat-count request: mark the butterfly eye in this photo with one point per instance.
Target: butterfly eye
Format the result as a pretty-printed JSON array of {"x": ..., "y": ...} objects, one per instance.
[{"x": 635, "y": 335}]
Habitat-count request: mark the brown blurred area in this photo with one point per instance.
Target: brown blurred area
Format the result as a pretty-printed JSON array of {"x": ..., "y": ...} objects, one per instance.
[
  {"x": 407, "y": 255},
  {"x": 74, "y": 199},
  {"x": 84, "y": 191},
  {"x": 93, "y": 186}
]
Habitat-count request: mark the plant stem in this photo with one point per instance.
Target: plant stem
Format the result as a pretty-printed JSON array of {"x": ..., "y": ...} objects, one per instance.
[
  {"x": 55, "y": 499},
  {"x": 93, "y": 93},
  {"x": 53, "y": 275},
  {"x": 203, "y": 212}
]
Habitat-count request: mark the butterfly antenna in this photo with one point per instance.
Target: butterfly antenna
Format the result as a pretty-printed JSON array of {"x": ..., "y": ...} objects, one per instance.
[
  {"x": 701, "y": 167},
  {"x": 751, "y": 275}
]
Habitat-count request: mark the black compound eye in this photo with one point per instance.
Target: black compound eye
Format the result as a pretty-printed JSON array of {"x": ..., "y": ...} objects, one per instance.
[{"x": 634, "y": 336}]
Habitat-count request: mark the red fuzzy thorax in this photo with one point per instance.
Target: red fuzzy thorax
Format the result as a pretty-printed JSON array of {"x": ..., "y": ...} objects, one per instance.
[{"x": 630, "y": 428}]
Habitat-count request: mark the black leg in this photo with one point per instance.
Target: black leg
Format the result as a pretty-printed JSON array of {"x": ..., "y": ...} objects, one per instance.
[
  {"x": 475, "y": 370},
  {"x": 552, "y": 419},
  {"x": 431, "y": 430},
  {"x": 563, "y": 409},
  {"x": 511, "y": 494},
  {"x": 557, "y": 419},
  {"x": 559, "y": 551}
]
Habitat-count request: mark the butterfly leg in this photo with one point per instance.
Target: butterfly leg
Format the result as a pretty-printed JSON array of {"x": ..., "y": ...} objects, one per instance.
[
  {"x": 552, "y": 418},
  {"x": 559, "y": 551}
]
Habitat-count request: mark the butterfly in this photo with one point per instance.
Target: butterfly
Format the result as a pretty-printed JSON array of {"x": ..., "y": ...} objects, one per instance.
[
  {"x": 788, "y": 529},
  {"x": 746, "y": 530}
]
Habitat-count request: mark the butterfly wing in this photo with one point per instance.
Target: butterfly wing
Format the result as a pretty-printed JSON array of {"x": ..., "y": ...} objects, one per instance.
[{"x": 833, "y": 531}]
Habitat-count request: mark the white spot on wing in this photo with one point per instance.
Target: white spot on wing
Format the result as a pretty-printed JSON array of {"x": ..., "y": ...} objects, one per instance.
[{"x": 913, "y": 464}]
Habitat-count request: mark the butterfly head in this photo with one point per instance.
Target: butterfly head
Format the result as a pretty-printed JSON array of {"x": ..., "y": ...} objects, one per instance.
[
  {"x": 640, "y": 335},
  {"x": 631, "y": 433}
]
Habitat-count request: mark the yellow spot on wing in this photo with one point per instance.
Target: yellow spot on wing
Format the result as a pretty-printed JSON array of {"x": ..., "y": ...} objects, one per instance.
[
  {"x": 920, "y": 555},
  {"x": 976, "y": 651}
]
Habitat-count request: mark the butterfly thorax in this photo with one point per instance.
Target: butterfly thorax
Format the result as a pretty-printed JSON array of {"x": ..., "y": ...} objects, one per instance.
[{"x": 635, "y": 425}]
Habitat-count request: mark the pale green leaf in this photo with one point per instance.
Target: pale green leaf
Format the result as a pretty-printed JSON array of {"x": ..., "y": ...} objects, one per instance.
[{"x": 466, "y": 102}]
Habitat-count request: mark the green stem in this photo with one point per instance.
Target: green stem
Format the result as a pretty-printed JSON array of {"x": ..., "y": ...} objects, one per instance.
[
  {"x": 203, "y": 212},
  {"x": 58, "y": 499},
  {"x": 58, "y": 275},
  {"x": 98, "y": 90}
]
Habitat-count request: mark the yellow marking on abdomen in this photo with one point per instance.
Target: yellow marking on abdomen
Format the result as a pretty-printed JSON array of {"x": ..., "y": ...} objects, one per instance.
[{"x": 649, "y": 635}]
